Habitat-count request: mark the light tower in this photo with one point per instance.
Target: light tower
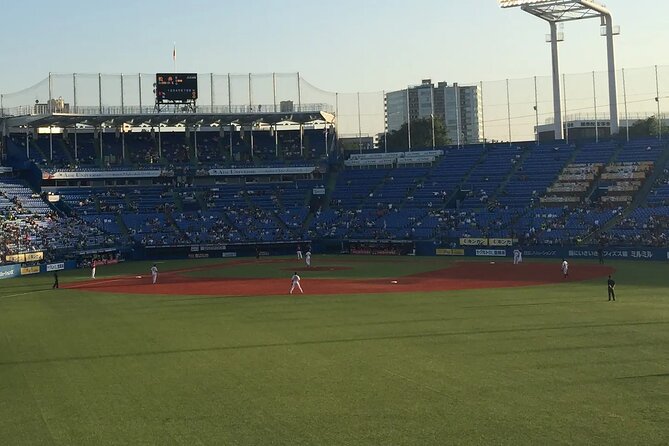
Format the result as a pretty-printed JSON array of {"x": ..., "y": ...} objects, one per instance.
[{"x": 557, "y": 11}]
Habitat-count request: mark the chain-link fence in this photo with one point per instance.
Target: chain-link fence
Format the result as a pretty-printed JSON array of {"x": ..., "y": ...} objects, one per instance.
[{"x": 509, "y": 110}]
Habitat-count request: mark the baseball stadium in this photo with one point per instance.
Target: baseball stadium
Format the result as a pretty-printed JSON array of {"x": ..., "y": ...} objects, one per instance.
[{"x": 467, "y": 272}]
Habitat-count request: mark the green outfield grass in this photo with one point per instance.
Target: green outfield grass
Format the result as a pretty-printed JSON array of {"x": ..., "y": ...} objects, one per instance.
[{"x": 544, "y": 365}]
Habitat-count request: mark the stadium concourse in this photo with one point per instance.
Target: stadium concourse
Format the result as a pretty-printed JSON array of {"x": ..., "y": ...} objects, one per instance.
[{"x": 84, "y": 193}]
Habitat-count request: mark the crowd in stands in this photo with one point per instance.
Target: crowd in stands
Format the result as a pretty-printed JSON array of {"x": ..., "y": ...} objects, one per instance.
[
  {"x": 29, "y": 228},
  {"x": 496, "y": 191}
]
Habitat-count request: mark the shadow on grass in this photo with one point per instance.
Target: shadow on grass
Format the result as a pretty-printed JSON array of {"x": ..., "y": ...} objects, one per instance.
[
  {"x": 324, "y": 342},
  {"x": 655, "y": 375}
]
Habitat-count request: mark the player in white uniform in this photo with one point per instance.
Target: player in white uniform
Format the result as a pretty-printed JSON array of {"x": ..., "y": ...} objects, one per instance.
[
  {"x": 94, "y": 264},
  {"x": 295, "y": 283},
  {"x": 517, "y": 256},
  {"x": 307, "y": 258},
  {"x": 565, "y": 268},
  {"x": 299, "y": 252},
  {"x": 154, "y": 273}
]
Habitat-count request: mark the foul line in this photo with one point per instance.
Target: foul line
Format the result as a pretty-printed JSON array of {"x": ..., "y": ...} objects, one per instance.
[{"x": 23, "y": 294}]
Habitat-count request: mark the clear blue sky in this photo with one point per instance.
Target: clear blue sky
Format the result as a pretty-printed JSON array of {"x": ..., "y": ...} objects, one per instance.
[{"x": 345, "y": 46}]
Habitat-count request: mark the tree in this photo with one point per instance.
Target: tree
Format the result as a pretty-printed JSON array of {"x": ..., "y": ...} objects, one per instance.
[
  {"x": 421, "y": 135},
  {"x": 647, "y": 127}
]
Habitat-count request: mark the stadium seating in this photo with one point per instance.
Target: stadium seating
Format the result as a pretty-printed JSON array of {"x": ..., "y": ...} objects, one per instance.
[{"x": 539, "y": 194}]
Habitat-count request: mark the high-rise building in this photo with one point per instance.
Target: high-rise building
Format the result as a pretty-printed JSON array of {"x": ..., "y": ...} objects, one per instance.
[{"x": 457, "y": 107}]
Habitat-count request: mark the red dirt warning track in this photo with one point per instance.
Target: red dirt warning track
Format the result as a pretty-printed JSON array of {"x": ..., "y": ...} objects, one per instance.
[{"x": 462, "y": 276}]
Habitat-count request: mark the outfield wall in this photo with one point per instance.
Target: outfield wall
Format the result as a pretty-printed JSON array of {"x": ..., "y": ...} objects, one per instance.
[
  {"x": 17, "y": 270},
  {"x": 657, "y": 254}
]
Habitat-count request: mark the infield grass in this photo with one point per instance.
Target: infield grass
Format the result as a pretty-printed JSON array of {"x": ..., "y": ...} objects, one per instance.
[{"x": 545, "y": 365}]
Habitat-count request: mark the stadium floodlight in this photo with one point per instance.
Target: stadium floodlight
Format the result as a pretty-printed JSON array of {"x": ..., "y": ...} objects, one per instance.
[
  {"x": 558, "y": 11},
  {"x": 514, "y": 3}
]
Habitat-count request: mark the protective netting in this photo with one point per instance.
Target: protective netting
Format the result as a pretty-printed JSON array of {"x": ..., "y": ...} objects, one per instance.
[{"x": 508, "y": 109}]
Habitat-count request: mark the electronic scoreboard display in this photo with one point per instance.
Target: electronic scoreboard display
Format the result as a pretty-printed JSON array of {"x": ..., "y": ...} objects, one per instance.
[{"x": 176, "y": 87}]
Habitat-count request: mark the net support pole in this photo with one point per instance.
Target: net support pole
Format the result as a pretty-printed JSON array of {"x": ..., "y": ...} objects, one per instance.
[
  {"x": 508, "y": 109},
  {"x": 274, "y": 90},
  {"x": 229, "y": 95},
  {"x": 594, "y": 99},
  {"x": 74, "y": 92},
  {"x": 482, "y": 111},
  {"x": 408, "y": 121},
  {"x": 50, "y": 107},
  {"x": 122, "y": 99},
  {"x": 211, "y": 92},
  {"x": 627, "y": 121},
  {"x": 139, "y": 77},
  {"x": 359, "y": 126},
  {"x": 657, "y": 99},
  {"x": 564, "y": 99},
  {"x": 555, "y": 66},
  {"x": 536, "y": 111}
]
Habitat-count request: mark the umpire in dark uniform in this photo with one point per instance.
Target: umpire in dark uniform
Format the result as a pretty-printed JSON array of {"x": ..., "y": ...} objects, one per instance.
[
  {"x": 55, "y": 280},
  {"x": 612, "y": 291}
]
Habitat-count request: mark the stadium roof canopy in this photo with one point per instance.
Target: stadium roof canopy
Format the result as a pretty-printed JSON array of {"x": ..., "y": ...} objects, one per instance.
[{"x": 166, "y": 119}]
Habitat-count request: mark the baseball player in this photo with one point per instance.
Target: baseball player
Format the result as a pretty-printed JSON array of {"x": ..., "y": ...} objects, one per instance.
[
  {"x": 307, "y": 258},
  {"x": 299, "y": 252},
  {"x": 517, "y": 256},
  {"x": 154, "y": 273},
  {"x": 295, "y": 283},
  {"x": 611, "y": 285},
  {"x": 94, "y": 263},
  {"x": 565, "y": 268}
]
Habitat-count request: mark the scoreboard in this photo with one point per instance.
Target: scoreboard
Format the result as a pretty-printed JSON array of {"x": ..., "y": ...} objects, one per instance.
[{"x": 176, "y": 87}]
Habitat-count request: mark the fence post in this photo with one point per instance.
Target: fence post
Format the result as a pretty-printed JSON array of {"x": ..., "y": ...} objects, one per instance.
[
  {"x": 274, "y": 90},
  {"x": 536, "y": 110},
  {"x": 482, "y": 116},
  {"x": 657, "y": 99},
  {"x": 230, "y": 104},
  {"x": 359, "y": 126},
  {"x": 100, "y": 91},
  {"x": 299, "y": 92},
  {"x": 74, "y": 91},
  {"x": 627, "y": 120},
  {"x": 564, "y": 103},
  {"x": 122, "y": 100},
  {"x": 408, "y": 121},
  {"x": 594, "y": 96},
  {"x": 50, "y": 94},
  {"x": 508, "y": 109},
  {"x": 250, "y": 100},
  {"x": 211, "y": 94},
  {"x": 140, "y": 92}
]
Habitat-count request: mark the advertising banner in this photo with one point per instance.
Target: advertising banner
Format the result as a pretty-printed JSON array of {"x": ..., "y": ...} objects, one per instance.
[
  {"x": 25, "y": 257},
  {"x": 15, "y": 258},
  {"x": 469, "y": 241},
  {"x": 450, "y": 252},
  {"x": 500, "y": 242},
  {"x": 9, "y": 271},
  {"x": 261, "y": 171},
  {"x": 55, "y": 267},
  {"x": 26, "y": 270},
  {"x": 34, "y": 256},
  {"x": 491, "y": 252},
  {"x": 73, "y": 175}
]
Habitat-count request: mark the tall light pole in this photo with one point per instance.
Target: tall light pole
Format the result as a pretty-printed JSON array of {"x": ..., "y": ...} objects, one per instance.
[{"x": 558, "y": 11}]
